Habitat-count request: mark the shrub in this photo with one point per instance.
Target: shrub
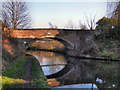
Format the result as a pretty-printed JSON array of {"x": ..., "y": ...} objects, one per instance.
[{"x": 107, "y": 55}]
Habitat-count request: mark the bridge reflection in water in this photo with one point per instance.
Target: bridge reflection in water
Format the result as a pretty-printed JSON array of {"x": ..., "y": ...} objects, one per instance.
[
  {"x": 71, "y": 70},
  {"x": 49, "y": 61}
]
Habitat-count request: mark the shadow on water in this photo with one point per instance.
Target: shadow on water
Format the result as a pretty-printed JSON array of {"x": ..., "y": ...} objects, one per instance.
[
  {"x": 74, "y": 70},
  {"x": 64, "y": 71},
  {"x": 105, "y": 74}
]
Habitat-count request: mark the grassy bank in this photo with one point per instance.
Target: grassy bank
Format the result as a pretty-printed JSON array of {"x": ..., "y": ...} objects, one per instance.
[
  {"x": 109, "y": 48},
  {"x": 37, "y": 76},
  {"x": 13, "y": 77}
]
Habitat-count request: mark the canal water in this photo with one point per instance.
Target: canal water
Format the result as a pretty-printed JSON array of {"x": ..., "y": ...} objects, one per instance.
[{"x": 74, "y": 72}]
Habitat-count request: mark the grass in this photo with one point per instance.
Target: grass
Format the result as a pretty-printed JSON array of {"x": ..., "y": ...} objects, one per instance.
[
  {"x": 107, "y": 55},
  {"x": 38, "y": 78},
  {"x": 109, "y": 49},
  {"x": 10, "y": 82},
  {"x": 13, "y": 77}
]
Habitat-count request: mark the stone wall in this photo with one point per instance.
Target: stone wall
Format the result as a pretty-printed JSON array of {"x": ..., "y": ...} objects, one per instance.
[
  {"x": 31, "y": 33},
  {"x": 81, "y": 40}
]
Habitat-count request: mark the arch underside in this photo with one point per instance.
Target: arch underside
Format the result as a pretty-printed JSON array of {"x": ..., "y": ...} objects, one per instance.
[
  {"x": 64, "y": 42},
  {"x": 65, "y": 70}
]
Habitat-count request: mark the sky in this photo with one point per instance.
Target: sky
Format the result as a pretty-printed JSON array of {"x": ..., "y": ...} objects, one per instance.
[{"x": 62, "y": 12}]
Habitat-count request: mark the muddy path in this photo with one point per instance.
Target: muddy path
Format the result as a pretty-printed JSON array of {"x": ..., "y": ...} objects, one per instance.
[{"x": 27, "y": 80}]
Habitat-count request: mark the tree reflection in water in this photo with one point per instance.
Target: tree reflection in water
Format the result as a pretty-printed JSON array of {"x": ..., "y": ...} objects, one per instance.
[
  {"x": 104, "y": 74},
  {"x": 48, "y": 45}
]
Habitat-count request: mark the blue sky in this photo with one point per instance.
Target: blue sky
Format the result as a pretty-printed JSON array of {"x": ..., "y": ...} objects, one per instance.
[{"x": 60, "y": 13}]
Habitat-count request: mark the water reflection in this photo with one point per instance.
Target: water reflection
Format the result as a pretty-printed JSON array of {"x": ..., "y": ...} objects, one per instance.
[
  {"x": 52, "y": 69},
  {"x": 50, "y": 62},
  {"x": 77, "y": 86},
  {"x": 103, "y": 74},
  {"x": 48, "y": 44}
]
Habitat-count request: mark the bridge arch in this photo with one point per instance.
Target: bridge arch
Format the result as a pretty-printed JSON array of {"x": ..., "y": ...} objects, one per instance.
[
  {"x": 67, "y": 44},
  {"x": 68, "y": 67}
]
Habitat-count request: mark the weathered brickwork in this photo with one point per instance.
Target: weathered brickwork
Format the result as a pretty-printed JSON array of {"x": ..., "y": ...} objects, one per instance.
[
  {"x": 31, "y": 33},
  {"x": 77, "y": 41}
]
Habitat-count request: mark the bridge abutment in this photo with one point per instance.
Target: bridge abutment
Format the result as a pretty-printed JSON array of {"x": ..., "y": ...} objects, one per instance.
[{"x": 83, "y": 42}]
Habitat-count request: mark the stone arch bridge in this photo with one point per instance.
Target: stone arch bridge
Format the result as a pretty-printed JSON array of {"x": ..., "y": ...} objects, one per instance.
[{"x": 77, "y": 41}]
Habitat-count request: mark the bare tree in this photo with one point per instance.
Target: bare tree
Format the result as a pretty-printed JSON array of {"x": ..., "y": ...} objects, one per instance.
[
  {"x": 118, "y": 11},
  {"x": 70, "y": 24},
  {"x": 82, "y": 26},
  {"x": 90, "y": 22},
  {"x": 15, "y": 14},
  {"x": 113, "y": 10},
  {"x": 0, "y": 10},
  {"x": 50, "y": 24},
  {"x": 56, "y": 26}
]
